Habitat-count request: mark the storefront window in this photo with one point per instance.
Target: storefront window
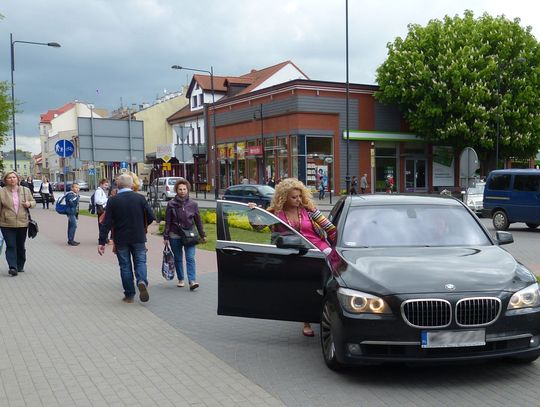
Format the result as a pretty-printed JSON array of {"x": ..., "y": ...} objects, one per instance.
[
  {"x": 385, "y": 166},
  {"x": 251, "y": 164},
  {"x": 270, "y": 161},
  {"x": 317, "y": 167},
  {"x": 283, "y": 161},
  {"x": 294, "y": 157}
]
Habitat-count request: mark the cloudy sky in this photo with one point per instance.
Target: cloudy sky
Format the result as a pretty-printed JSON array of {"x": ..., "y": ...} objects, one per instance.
[{"x": 120, "y": 51}]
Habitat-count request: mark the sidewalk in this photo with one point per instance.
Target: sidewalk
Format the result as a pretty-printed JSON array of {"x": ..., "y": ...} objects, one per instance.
[{"x": 68, "y": 339}]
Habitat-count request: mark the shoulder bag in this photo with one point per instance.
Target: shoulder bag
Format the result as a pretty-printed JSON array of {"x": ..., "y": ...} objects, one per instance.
[
  {"x": 33, "y": 228},
  {"x": 189, "y": 236}
]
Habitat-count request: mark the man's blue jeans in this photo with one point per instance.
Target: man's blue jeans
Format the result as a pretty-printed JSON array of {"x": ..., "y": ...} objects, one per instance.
[
  {"x": 137, "y": 252},
  {"x": 176, "y": 247},
  {"x": 72, "y": 227}
]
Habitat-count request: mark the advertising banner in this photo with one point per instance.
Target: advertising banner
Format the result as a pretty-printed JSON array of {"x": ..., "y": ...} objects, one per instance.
[{"x": 443, "y": 166}]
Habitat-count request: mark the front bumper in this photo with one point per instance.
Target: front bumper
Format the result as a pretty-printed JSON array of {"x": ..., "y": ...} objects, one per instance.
[{"x": 371, "y": 339}]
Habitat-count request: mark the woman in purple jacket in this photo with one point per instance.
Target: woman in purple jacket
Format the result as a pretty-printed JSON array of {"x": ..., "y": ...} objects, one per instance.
[{"x": 183, "y": 213}]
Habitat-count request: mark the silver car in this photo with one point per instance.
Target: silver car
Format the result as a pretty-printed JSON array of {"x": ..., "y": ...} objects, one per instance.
[
  {"x": 162, "y": 188},
  {"x": 474, "y": 197},
  {"x": 83, "y": 185}
]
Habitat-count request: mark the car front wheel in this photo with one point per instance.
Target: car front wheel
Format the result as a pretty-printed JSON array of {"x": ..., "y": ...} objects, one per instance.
[
  {"x": 327, "y": 339},
  {"x": 500, "y": 220}
]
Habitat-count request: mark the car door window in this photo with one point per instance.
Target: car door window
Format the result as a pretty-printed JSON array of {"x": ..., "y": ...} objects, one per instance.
[{"x": 254, "y": 225}]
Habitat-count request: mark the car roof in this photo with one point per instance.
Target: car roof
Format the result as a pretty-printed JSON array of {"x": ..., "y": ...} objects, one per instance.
[
  {"x": 402, "y": 199},
  {"x": 529, "y": 171},
  {"x": 246, "y": 185}
]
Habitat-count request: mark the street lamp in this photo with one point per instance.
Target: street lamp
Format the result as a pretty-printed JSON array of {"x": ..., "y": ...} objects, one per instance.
[
  {"x": 216, "y": 167},
  {"x": 261, "y": 117},
  {"x": 347, "y": 174},
  {"x": 48, "y": 44}
]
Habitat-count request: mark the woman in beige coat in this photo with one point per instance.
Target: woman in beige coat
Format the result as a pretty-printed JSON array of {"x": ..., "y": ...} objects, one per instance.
[{"x": 14, "y": 203}]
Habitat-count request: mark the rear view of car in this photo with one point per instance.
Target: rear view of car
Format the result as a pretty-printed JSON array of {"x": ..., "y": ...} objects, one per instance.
[
  {"x": 162, "y": 188},
  {"x": 475, "y": 197},
  {"x": 260, "y": 194}
]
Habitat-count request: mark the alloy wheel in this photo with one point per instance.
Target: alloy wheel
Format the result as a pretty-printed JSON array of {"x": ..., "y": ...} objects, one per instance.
[{"x": 327, "y": 340}]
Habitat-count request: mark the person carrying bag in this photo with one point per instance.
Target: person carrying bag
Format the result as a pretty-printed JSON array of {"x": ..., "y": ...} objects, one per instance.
[
  {"x": 183, "y": 231},
  {"x": 168, "y": 269}
]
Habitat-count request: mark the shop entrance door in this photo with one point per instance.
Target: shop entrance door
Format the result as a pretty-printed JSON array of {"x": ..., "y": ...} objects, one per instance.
[{"x": 415, "y": 175}]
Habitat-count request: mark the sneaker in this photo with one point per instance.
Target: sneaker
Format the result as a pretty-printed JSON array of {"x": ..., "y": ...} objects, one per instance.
[
  {"x": 180, "y": 283},
  {"x": 193, "y": 285},
  {"x": 128, "y": 300},
  {"x": 13, "y": 272},
  {"x": 143, "y": 292},
  {"x": 73, "y": 243}
]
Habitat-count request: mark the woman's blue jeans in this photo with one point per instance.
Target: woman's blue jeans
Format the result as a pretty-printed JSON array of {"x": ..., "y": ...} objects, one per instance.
[
  {"x": 72, "y": 227},
  {"x": 176, "y": 246},
  {"x": 15, "y": 239}
]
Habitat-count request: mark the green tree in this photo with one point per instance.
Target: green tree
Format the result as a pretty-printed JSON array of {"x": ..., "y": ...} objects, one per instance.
[
  {"x": 455, "y": 80},
  {"x": 5, "y": 111}
]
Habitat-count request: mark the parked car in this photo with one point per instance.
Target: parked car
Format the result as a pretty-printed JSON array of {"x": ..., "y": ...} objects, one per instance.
[
  {"x": 474, "y": 197},
  {"x": 60, "y": 185},
  {"x": 410, "y": 279},
  {"x": 260, "y": 194},
  {"x": 162, "y": 188},
  {"x": 83, "y": 185},
  {"x": 513, "y": 195}
]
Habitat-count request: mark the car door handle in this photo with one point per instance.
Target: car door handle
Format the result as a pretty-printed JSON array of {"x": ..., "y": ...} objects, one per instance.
[{"x": 232, "y": 250}]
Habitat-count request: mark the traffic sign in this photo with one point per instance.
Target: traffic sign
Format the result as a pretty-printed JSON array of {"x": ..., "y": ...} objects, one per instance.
[
  {"x": 64, "y": 148},
  {"x": 166, "y": 166},
  {"x": 124, "y": 164},
  {"x": 91, "y": 171},
  {"x": 166, "y": 158}
]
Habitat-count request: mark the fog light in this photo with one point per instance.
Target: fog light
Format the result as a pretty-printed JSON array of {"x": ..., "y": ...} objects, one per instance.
[
  {"x": 354, "y": 348},
  {"x": 535, "y": 340}
]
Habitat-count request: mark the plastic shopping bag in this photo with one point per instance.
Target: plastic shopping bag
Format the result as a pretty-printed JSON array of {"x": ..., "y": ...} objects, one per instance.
[{"x": 168, "y": 269}]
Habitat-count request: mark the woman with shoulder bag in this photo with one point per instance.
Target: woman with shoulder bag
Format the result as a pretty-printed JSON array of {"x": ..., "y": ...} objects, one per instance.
[
  {"x": 15, "y": 200},
  {"x": 183, "y": 230}
]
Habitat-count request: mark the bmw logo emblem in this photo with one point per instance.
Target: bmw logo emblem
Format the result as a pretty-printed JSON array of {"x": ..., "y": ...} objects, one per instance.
[{"x": 450, "y": 287}]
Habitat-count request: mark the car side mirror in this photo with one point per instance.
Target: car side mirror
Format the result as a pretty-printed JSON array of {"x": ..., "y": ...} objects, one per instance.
[
  {"x": 504, "y": 238},
  {"x": 291, "y": 242}
]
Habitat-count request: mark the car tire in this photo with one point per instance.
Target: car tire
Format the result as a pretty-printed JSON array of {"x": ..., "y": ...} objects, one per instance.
[
  {"x": 532, "y": 225},
  {"x": 328, "y": 345},
  {"x": 500, "y": 220}
]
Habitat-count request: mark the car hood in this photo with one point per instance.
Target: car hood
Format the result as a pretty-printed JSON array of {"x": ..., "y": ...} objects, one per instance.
[{"x": 429, "y": 269}]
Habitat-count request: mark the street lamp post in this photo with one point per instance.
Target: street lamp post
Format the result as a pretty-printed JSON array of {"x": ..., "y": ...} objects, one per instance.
[
  {"x": 347, "y": 174},
  {"x": 48, "y": 44},
  {"x": 216, "y": 167}
]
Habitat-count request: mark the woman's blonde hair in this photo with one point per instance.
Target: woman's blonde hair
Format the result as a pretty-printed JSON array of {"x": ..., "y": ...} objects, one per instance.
[{"x": 282, "y": 192}]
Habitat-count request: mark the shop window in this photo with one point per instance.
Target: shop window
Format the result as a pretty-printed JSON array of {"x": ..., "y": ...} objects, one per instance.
[
  {"x": 294, "y": 156},
  {"x": 385, "y": 166},
  {"x": 317, "y": 168}
]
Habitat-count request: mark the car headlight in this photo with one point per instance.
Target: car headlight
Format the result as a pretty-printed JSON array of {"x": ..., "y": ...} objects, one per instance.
[
  {"x": 357, "y": 302},
  {"x": 529, "y": 297}
]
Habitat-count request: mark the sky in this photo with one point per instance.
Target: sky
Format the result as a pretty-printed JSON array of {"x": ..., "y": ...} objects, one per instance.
[{"x": 119, "y": 52}]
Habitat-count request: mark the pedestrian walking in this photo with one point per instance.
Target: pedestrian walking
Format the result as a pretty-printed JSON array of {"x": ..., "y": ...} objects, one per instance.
[
  {"x": 293, "y": 204},
  {"x": 46, "y": 191},
  {"x": 72, "y": 213},
  {"x": 100, "y": 198},
  {"x": 321, "y": 190},
  {"x": 354, "y": 186},
  {"x": 15, "y": 200},
  {"x": 181, "y": 217},
  {"x": 128, "y": 215},
  {"x": 363, "y": 183}
]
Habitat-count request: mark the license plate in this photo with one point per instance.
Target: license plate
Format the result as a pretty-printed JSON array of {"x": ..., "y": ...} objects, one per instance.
[{"x": 453, "y": 339}]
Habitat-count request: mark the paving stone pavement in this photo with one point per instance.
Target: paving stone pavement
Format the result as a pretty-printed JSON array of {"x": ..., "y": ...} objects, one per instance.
[{"x": 69, "y": 340}]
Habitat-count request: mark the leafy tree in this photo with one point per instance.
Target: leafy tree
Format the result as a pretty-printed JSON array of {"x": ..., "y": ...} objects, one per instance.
[
  {"x": 5, "y": 111},
  {"x": 455, "y": 80}
]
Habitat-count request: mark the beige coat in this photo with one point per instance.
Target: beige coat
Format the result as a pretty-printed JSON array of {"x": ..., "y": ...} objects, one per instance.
[{"x": 8, "y": 218}]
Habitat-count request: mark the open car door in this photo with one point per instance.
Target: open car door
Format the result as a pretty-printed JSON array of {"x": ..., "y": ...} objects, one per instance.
[{"x": 265, "y": 268}]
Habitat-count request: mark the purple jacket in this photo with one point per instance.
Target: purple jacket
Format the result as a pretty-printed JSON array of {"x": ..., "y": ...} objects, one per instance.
[{"x": 182, "y": 214}]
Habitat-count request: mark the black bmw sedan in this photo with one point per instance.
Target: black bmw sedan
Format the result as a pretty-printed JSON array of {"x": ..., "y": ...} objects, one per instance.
[{"x": 410, "y": 279}]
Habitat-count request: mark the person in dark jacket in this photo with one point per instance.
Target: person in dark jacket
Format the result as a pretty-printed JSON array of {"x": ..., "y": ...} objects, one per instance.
[
  {"x": 72, "y": 212},
  {"x": 183, "y": 213},
  {"x": 128, "y": 215},
  {"x": 46, "y": 192}
]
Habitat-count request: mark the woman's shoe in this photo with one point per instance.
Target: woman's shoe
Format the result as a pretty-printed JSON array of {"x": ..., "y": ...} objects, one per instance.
[
  {"x": 308, "y": 331},
  {"x": 180, "y": 283},
  {"x": 193, "y": 285}
]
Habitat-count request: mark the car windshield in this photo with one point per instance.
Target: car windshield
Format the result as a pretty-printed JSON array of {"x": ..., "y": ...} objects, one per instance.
[
  {"x": 476, "y": 190},
  {"x": 172, "y": 181},
  {"x": 267, "y": 190},
  {"x": 407, "y": 225}
]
